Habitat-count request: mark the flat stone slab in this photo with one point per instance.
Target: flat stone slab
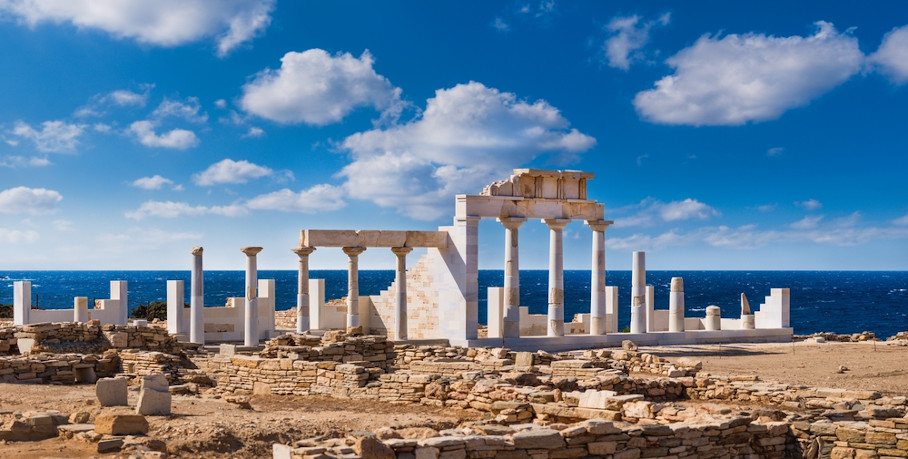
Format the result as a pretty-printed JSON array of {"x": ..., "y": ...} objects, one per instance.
[
  {"x": 112, "y": 392},
  {"x": 121, "y": 424}
]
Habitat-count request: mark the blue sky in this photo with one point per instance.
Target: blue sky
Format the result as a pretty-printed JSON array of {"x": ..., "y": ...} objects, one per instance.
[{"x": 723, "y": 135}]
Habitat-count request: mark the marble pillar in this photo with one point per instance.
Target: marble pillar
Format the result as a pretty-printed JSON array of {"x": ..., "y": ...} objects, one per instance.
[
  {"x": 22, "y": 302},
  {"x": 176, "y": 323},
  {"x": 556, "y": 276},
  {"x": 597, "y": 278},
  {"x": 400, "y": 296},
  {"x": 197, "y": 299},
  {"x": 511, "y": 317},
  {"x": 676, "y": 306},
  {"x": 80, "y": 309},
  {"x": 638, "y": 293},
  {"x": 353, "y": 285},
  {"x": 713, "y": 320},
  {"x": 251, "y": 326},
  {"x": 302, "y": 289}
]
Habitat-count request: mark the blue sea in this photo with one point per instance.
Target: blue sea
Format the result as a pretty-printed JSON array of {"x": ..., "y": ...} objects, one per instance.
[{"x": 829, "y": 301}]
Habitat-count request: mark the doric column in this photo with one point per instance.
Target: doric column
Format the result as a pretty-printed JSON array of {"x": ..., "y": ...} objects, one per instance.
[
  {"x": 252, "y": 314},
  {"x": 400, "y": 297},
  {"x": 197, "y": 300},
  {"x": 353, "y": 285},
  {"x": 556, "y": 276},
  {"x": 302, "y": 290},
  {"x": 676, "y": 305},
  {"x": 511, "y": 317},
  {"x": 597, "y": 277},
  {"x": 638, "y": 293}
]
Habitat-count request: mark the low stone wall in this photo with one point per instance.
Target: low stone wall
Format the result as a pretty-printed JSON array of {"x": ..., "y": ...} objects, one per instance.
[
  {"x": 58, "y": 368},
  {"x": 91, "y": 337}
]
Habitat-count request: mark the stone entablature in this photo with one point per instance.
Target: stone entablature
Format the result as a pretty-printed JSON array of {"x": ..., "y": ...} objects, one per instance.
[
  {"x": 541, "y": 184},
  {"x": 372, "y": 238}
]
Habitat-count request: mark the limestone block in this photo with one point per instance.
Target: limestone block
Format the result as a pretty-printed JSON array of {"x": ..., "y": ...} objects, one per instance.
[
  {"x": 121, "y": 424},
  {"x": 538, "y": 439},
  {"x": 152, "y": 402},
  {"x": 117, "y": 339},
  {"x": 111, "y": 392}
]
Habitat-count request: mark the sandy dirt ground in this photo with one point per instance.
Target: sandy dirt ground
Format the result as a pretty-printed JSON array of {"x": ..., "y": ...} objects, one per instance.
[{"x": 203, "y": 426}]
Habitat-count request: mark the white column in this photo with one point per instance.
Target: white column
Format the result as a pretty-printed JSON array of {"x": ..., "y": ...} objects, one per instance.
[
  {"x": 597, "y": 277},
  {"x": 650, "y": 309},
  {"x": 175, "y": 315},
  {"x": 400, "y": 297},
  {"x": 556, "y": 276},
  {"x": 676, "y": 306},
  {"x": 638, "y": 293},
  {"x": 353, "y": 285},
  {"x": 251, "y": 326},
  {"x": 511, "y": 317},
  {"x": 80, "y": 309},
  {"x": 197, "y": 299},
  {"x": 302, "y": 289},
  {"x": 119, "y": 291},
  {"x": 22, "y": 302}
]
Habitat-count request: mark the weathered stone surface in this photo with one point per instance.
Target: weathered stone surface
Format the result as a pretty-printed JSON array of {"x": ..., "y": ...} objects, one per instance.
[
  {"x": 369, "y": 446},
  {"x": 112, "y": 392},
  {"x": 154, "y": 403},
  {"x": 538, "y": 439},
  {"x": 121, "y": 424}
]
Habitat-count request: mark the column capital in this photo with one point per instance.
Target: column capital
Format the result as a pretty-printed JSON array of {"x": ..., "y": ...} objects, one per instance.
[
  {"x": 556, "y": 224},
  {"x": 353, "y": 251},
  {"x": 197, "y": 250},
  {"x": 599, "y": 225},
  {"x": 401, "y": 251},
  {"x": 303, "y": 250},
  {"x": 251, "y": 251},
  {"x": 512, "y": 222}
]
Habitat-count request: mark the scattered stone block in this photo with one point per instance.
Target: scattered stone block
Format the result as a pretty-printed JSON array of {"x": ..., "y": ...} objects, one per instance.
[
  {"x": 110, "y": 445},
  {"x": 629, "y": 345},
  {"x": 154, "y": 398},
  {"x": 371, "y": 447},
  {"x": 121, "y": 424},
  {"x": 112, "y": 392}
]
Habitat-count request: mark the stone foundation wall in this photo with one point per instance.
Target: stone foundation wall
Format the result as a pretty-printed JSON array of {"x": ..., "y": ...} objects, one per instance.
[
  {"x": 65, "y": 368},
  {"x": 89, "y": 337}
]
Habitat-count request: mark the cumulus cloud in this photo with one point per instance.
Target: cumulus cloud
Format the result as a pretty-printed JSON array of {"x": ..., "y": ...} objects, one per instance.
[
  {"x": 15, "y": 236},
  {"x": 23, "y": 200},
  {"x": 653, "y": 211},
  {"x": 737, "y": 79},
  {"x": 16, "y": 161},
  {"x": 254, "y": 132},
  {"x": 54, "y": 136},
  {"x": 627, "y": 36},
  {"x": 151, "y": 183},
  {"x": 892, "y": 56},
  {"x": 162, "y": 22},
  {"x": 179, "y": 139},
  {"x": 466, "y": 137},
  {"x": 314, "y": 87},
  {"x": 316, "y": 199},
  {"x": 810, "y": 204},
  {"x": 188, "y": 110},
  {"x": 98, "y": 104},
  {"x": 171, "y": 209},
  {"x": 807, "y": 222},
  {"x": 230, "y": 171},
  {"x": 901, "y": 221}
]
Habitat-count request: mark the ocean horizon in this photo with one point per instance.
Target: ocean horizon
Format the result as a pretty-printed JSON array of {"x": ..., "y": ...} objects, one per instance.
[{"x": 821, "y": 301}]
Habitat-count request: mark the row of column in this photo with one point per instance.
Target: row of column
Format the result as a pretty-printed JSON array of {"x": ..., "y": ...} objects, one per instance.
[{"x": 555, "y": 326}]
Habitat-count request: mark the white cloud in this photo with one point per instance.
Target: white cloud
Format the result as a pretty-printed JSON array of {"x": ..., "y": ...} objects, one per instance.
[
  {"x": 23, "y": 200},
  {"x": 151, "y": 183},
  {"x": 316, "y": 88},
  {"x": 54, "y": 136},
  {"x": 810, "y": 204},
  {"x": 775, "y": 151},
  {"x": 171, "y": 209},
  {"x": 468, "y": 136},
  {"x": 230, "y": 171},
  {"x": 179, "y": 139},
  {"x": 749, "y": 78},
  {"x": 500, "y": 25},
  {"x": 15, "y": 161},
  {"x": 220, "y": 103},
  {"x": 628, "y": 35},
  {"x": 161, "y": 22},
  {"x": 188, "y": 110},
  {"x": 316, "y": 199},
  {"x": 8, "y": 236},
  {"x": 808, "y": 222},
  {"x": 254, "y": 132},
  {"x": 901, "y": 221},
  {"x": 97, "y": 105},
  {"x": 766, "y": 208},
  {"x": 62, "y": 225},
  {"x": 892, "y": 56},
  {"x": 653, "y": 211}
]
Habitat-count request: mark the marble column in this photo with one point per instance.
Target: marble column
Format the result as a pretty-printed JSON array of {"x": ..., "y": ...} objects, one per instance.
[
  {"x": 400, "y": 296},
  {"x": 597, "y": 277},
  {"x": 676, "y": 306},
  {"x": 638, "y": 293},
  {"x": 302, "y": 290},
  {"x": 251, "y": 327},
  {"x": 197, "y": 299},
  {"x": 511, "y": 316},
  {"x": 353, "y": 285},
  {"x": 556, "y": 276},
  {"x": 80, "y": 309}
]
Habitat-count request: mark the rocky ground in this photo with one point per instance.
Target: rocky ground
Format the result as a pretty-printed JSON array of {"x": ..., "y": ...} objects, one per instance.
[{"x": 211, "y": 426}]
